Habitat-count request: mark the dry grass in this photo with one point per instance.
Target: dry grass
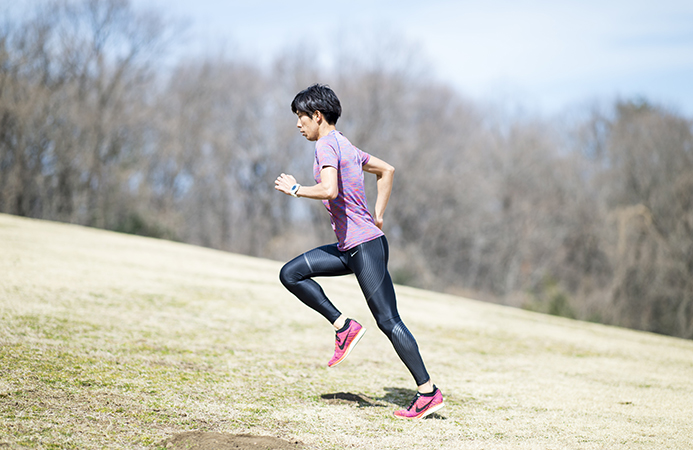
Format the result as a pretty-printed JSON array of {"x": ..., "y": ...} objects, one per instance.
[{"x": 116, "y": 341}]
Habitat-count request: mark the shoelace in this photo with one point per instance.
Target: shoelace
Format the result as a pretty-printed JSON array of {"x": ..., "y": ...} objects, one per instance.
[{"x": 413, "y": 402}]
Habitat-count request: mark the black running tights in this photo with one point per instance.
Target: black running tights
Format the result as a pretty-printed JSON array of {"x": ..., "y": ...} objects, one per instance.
[{"x": 368, "y": 262}]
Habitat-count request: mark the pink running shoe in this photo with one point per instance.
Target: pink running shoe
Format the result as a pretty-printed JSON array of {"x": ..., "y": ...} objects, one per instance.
[
  {"x": 346, "y": 340},
  {"x": 422, "y": 405}
]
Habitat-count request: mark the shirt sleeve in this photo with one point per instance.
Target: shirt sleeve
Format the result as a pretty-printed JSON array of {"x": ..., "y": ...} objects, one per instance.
[
  {"x": 326, "y": 154},
  {"x": 363, "y": 156}
]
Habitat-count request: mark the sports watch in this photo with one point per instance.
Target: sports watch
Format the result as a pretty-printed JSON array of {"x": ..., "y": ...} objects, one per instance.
[{"x": 294, "y": 189}]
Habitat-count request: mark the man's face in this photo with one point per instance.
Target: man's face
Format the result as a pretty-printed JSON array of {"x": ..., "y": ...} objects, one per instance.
[{"x": 308, "y": 126}]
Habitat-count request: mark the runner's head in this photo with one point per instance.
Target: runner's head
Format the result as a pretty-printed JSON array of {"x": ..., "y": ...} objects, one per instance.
[{"x": 318, "y": 98}]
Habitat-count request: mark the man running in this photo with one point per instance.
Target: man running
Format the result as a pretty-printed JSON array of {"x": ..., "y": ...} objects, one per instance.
[{"x": 361, "y": 247}]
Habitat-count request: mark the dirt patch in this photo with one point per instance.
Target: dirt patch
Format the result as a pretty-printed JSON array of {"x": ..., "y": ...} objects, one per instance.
[{"x": 201, "y": 440}]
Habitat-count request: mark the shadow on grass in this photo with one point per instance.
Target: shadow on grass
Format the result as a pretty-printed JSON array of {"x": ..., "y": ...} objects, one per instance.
[
  {"x": 395, "y": 396},
  {"x": 347, "y": 398}
]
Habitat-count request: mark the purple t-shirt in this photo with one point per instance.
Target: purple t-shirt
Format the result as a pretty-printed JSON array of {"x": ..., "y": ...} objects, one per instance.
[{"x": 351, "y": 220}]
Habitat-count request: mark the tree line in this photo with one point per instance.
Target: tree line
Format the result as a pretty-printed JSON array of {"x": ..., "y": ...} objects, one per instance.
[{"x": 587, "y": 215}]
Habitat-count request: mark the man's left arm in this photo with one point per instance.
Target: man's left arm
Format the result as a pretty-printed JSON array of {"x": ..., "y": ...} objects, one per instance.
[{"x": 385, "y": 174}]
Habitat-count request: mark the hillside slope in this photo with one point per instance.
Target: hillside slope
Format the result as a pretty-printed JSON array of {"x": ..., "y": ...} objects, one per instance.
[{"x": 117, "y": 341}]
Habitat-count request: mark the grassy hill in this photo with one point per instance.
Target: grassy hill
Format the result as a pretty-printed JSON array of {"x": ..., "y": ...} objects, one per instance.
[{"x": 117, "y": 341}]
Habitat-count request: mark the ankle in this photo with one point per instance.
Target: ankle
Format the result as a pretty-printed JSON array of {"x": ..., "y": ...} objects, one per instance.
[
  {"x": 427, "y": 388},
  {"x": 340, "y": 322}
]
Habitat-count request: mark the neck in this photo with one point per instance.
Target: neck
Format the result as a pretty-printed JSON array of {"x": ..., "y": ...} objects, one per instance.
[{"x": 325, "y": 129}]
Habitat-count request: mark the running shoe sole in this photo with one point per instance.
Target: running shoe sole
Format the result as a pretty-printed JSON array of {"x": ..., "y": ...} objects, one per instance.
[{"x": 423, "y": 414}]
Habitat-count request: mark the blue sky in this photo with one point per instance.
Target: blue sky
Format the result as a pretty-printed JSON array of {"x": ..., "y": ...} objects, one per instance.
[{"x": 545, "y": 55}]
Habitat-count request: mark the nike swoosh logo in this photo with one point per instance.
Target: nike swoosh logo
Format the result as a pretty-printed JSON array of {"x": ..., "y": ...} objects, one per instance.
[
  {"x": 418, "y": 410},
  {"x": 352, "y": 255},
  {"x": 341, "y": 347}
]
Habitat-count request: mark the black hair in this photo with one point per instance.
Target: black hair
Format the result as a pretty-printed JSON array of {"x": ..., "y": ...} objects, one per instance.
[{"x": 318, "y": 98}]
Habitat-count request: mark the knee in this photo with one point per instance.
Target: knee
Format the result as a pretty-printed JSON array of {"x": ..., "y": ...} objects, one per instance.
[
  {"x": 388, "y": 325},
  {"x": 287, "y": 275}
]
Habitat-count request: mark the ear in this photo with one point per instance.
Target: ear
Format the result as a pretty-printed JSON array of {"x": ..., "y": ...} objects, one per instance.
[{"x": 318, "y": 117}]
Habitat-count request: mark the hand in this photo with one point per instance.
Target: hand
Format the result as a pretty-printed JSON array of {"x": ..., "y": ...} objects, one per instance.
[
  {"x": 378, "y": 222},
  {"x": 284, "y": 183}
]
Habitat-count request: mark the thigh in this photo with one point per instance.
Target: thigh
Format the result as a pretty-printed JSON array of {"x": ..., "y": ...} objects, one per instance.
[
  {"x": 325, "y": 261},
  {"x": 370, "y": 266}
]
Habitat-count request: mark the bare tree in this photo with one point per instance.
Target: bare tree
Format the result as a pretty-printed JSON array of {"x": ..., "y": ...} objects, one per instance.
[
  {"x": 74, "y": 82},
  {"x": 648, "y": 187}
]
